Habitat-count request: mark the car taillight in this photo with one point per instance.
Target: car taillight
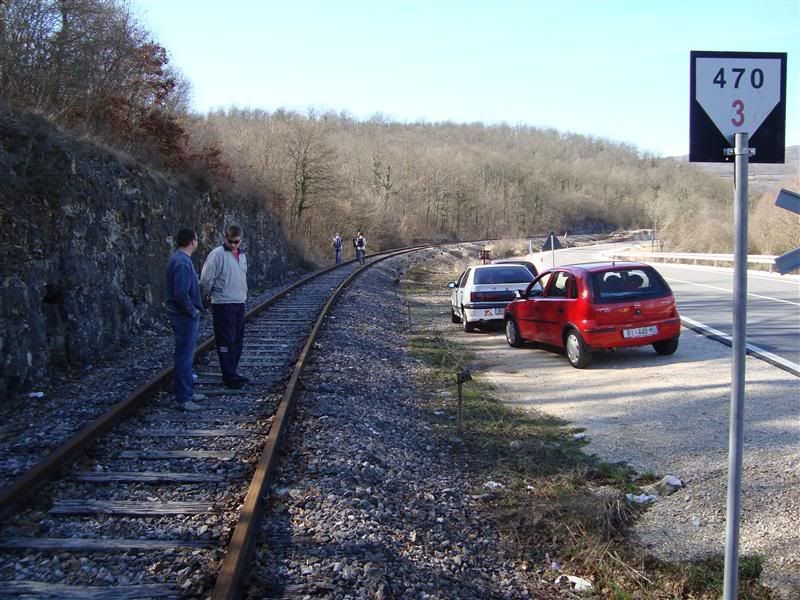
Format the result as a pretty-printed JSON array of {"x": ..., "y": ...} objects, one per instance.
[{"x": 498, "y": 296}]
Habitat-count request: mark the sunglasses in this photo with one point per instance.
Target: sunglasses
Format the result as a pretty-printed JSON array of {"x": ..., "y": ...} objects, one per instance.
[{"x": 235, "y": 241}]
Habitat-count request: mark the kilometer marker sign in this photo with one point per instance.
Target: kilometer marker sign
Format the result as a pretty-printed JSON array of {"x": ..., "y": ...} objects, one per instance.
[{"x": 737, "y": 92}]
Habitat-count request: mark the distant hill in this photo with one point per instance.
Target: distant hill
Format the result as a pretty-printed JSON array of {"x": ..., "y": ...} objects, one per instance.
[{"x": 764, "y": 178}]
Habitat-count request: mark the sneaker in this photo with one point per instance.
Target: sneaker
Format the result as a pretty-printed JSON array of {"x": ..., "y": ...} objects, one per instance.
[
  {"x": 198, "y": 396},
  {"x": 190, "y": 406},
  {"x": 234, "y": 384},
  {"x": 194, "y": 377},
  {"x": 241, "y": 378}
]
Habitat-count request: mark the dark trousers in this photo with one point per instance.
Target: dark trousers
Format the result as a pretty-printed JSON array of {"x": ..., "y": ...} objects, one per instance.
[
  {"x": 228, "y": 335},
  {"x": 185, "y": 329}
]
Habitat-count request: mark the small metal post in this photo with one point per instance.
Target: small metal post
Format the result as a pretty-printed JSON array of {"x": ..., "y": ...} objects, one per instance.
[
  {"x": 553, "y": 247},
  {"x": 460, "y": 406},
  {"x": 736, "y": 435},
  {"x": 462, "y": 375}
]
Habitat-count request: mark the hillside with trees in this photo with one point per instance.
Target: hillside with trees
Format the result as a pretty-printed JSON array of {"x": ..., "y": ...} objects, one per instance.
[{"x": 445, "y": 181}]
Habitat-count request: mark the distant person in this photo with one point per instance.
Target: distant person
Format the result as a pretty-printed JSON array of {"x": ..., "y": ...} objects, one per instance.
[
  {"x": 337, "y": 247},
  {"x": 184, "y": 307},
  {"x": 361, "y": 247},
  {"x": 224, "y": 277}
]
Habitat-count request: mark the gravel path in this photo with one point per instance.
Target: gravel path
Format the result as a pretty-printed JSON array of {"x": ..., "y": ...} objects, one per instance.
[
  {"x": 669, "y": 415},
  {"x": 370, "y": 501}
]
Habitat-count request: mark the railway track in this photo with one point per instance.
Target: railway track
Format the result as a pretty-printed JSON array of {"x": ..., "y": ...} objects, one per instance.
[{"x": 146, "y": 496}]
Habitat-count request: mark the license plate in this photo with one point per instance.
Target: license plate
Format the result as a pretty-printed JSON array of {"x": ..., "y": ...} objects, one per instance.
[
  {"x": 638, "y": 332},
  {"x": 499, "y": 311}
]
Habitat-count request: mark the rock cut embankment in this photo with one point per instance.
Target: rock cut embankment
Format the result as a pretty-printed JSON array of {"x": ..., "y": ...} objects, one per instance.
[{"x": 84, "y": 242}]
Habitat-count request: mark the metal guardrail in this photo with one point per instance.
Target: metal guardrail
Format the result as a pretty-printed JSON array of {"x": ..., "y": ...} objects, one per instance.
[{"x": 693, "y": 258}]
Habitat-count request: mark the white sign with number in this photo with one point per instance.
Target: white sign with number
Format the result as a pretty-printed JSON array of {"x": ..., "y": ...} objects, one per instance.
[{"x": 737, "y": 93}]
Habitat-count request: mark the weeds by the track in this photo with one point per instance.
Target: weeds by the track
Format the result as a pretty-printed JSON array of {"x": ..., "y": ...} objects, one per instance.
[{"x": 560, "y": 510}]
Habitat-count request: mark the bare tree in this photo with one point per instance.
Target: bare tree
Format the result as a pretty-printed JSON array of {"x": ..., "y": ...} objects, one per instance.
[{"x": 314, "y": 168}]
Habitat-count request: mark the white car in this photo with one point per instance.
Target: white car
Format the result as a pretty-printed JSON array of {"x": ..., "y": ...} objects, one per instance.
[{"x": 480, "y": 295}]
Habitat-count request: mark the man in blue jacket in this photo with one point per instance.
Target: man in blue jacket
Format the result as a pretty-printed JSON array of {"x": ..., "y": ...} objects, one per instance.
[{"x": 184, "y": 307}]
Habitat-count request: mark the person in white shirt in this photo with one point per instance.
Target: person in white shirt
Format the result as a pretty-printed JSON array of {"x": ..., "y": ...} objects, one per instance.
[{"x": 224, "y": 277}]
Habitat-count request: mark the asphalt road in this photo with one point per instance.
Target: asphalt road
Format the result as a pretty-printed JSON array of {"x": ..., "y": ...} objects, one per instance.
[{"x": 705, "y": 295}]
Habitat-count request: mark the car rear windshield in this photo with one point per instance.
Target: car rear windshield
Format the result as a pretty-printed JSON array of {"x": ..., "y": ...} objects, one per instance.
[
  {"x": 628, "y": 284},
  {"x": 510, "y": 274}
]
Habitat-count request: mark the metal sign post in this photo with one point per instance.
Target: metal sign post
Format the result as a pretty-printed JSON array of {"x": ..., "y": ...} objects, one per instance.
[
  {"x": 736, "y": 99},
  {"x": 736, "y": 435}
]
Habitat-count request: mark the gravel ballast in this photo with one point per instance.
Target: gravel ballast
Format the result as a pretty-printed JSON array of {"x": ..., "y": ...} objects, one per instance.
[{"x": 370, "y": 502}]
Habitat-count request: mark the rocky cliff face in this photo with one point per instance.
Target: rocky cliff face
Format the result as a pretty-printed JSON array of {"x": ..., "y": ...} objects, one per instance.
[{"x": 84, "y": 241}]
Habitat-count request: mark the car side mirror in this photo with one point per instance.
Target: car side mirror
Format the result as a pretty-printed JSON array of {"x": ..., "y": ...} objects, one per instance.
[{"x": 451, "y": 284}]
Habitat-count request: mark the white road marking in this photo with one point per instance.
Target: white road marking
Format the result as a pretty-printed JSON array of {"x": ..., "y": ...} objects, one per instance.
[
  {"x": 713, "y": 287},
  {"x": 787, "y": 365}
]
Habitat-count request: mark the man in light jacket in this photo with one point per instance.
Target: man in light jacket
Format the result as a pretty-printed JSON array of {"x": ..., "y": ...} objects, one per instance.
[{"x": 224, "y": 277}]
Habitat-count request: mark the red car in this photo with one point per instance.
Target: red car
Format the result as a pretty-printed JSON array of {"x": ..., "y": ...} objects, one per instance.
[{"x": 595, "y": 306}]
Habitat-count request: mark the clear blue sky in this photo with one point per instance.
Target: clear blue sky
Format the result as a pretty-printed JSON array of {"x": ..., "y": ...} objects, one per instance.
[{"x": 617, "y": 70}]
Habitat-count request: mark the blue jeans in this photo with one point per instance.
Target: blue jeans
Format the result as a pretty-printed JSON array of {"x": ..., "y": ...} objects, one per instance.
[
  {"x": 185, "y": 329},
  {"x": 360, "y": 255},
  {"x": 338, "y": 255}
]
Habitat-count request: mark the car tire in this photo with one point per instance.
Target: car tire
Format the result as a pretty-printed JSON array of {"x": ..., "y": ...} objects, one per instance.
[
  {"x": 512, "y": 334},
  {"x": 453, "y": 316},
  {"x": 468, "y": 326},
  {"x": 577, "y": 353},
  {"x": 666, "y": 347}
]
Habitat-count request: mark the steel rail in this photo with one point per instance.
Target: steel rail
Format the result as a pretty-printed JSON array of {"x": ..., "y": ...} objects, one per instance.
[
  {"x": 237, "y": 560},
  {"x": 24, "y": 486}
]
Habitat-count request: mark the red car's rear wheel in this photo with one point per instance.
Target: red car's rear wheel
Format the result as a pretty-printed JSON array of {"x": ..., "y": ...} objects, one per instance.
[
  {"x": 666, "y": 347},
  {"x": 577, "y": 353}
]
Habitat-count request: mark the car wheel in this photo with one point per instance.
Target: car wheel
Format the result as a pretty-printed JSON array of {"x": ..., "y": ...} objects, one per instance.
[
  {"x": 666, "y": 347},
  {"x": 577, "y": 353},
  {"x": 512, "y": 334},
  {"x": 468, "y": 327}
]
